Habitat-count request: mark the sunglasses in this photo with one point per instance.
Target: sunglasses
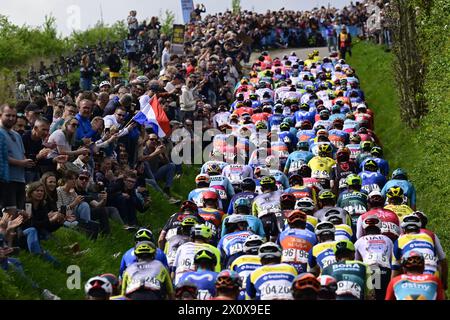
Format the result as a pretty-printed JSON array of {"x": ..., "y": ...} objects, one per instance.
[
  {"x": 153, "y": 139},
  {"x": 74, "y": 125},
  {"x": 82, "y": 178}
]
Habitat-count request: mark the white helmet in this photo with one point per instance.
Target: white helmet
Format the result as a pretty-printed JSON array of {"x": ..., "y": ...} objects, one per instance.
[
  {"x": 411, "y": 220},
  {"x": 252, "y": 244},
  {"x": 104, "y": 83},
  {"x": 98, "y": 283},
  {"x": 324, "y": 226},
  {"x": 305, "y": 204},
  {"x": 269, "y": 250}
]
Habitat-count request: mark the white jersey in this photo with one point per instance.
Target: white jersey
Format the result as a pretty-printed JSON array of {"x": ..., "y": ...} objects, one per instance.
[
  {"x": 374, "y": 250},
  {"x": 237, "y": 172},
  {"x": 184, "y": 258},
  {"x": 221, "y": 118}
]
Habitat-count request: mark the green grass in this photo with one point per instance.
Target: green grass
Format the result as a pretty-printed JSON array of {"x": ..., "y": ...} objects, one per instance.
[
  {"x": 423, "y": 152},
  {"x": 104, "y": 255}
]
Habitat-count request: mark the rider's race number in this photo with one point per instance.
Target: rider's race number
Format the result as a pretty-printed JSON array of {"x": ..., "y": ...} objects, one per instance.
[
  {"x": 349, "y": 287},
  {"x": 277, "y": 289}
]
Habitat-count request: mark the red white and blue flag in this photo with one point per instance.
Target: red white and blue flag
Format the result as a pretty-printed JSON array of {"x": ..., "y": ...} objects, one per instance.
[{"x": 152, "y": 114}]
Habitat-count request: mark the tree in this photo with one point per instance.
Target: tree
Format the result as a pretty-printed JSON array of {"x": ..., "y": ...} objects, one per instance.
[
  {"x": 167, "y": 23},
  {"x": 236, "y": 5}
]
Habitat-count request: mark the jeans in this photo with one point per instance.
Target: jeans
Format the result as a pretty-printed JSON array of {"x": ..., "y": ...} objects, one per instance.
[
  {"x": 83, "y": 212},
  {"x": 167, "y": 171},
  {"x": 34, "y": 246},
  {"x": 331, "y": 42},
  {"x": 86, "y": 84}
]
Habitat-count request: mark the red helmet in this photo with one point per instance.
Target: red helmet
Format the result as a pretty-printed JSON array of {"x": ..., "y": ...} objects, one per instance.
[
  {"x": 296, "y": 215},
  {"x": 189, "y": 206},
  {"x": 210, "y": 195},
  {"x": 287, "y": 197}
]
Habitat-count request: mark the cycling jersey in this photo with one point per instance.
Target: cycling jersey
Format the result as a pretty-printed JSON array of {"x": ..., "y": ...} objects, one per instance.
[
  {"x": 196, "y": 196},
  {"x": 355, "y": 151},
  {"x": 237, "y": 172},
  {"x": 353, "y": 279},
  {"x": 221, "y": 118},
  {"x": 302, "y": 192},
  {"x": 275, "y": 121},
  {"x": 271, "y": 282},
  {"x": 211, "y": 215},
  {"x": 339, "y": 138},
  {"x": 231, "y": 246},
  {"x": 247, "y": 195},
  {"x": 415, "y": 287},
  {"x": 320, "y": 166},
  {"x": 174, "y": 222},
  {"x": 266, "y": 203},
  {"x": 172, "y": 246},
  {"x": 400, "y": 210},
  {"x": 322, "y": 255},
  {"x": 244, "y": 265},
  {"x": 223, "y": 186},
  {"x": 383, "y": 165},
  {"x": 339, "y": 173},
  {"x": 372, "y": 181},
  {"x": 129, "y": 258},
  {"x": 296, "y": 243},
  {"x": 204, "y": 280},
  {"x": 147, "y": 275},
  {"x": 306, "y": 135},
  {"x": 390, "y": 224},
  {"x": 350, "y": 126},
  {"x": 343, "y": 232},
  {"x": 354, "y": 202},
  {"x": 302, "y": 115},
  {"x": 255, "y": 225},
  {"x": 205, "y": 166},
  {"x": 374, "y": 250},
  {"x": 184, "y": 258},
  {"x": 420, "y": 242},
  {"x": 296, "y": 159}
]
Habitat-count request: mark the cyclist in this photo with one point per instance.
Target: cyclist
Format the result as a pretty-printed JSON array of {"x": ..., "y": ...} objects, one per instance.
[
  {"x": 322, "y": 254},
  {"x": 248, "y": 262},
  {"x": 295, "y": 159},
  {"x": 337, "y": 136},
  {"x": 186, "y": 290},
  {"x": 307, "y": 205},
  {"x": 273, "y": 280},
  {"x": 221, "y": 183},
  {"x": 413, "y": 239},
  {"x": 202, "y": 183},
  {"x": 183, "y": 235},
  {"x": 236, "y": 172},
  {"x": 248, "y": 187},
  {"x": 328, "y": 287},
  {"x": 216, "y": 158},
  {"x": 298, "y": 189},
  {"x": 243, "y": 207},
  {"x": 188, "y": 208},
  {"x": 341, "y": 170},
  {"x": 210, "y": 212},
  {"x": 365, "y": 147},
  {"x": 272, "y": 163},
  {"x": 414, "y": 284},
  {"x": 396, "y": 199},
  {"x": 377, "y": 154},
  {"x": 98, "y": 288},
  {"x": 228, "y": 285},
  {"x": 327, "y": 202},
  {"x": 322, "y": 162},
  {"x": 231, "y": 245},
  {"x": 343, "y": 231},
  {"x": 296, "y": 241},
  {"x": 399, "y": 177},
  {"x": 375, "y": 250},
  {"x": 371, "y": 178},
  {"x": 306, "y": 132},
  {"x": 204, "y": 277},
  {"x": 129, "y": 258},
  {"x": 352, "y": 277},
  {"x": 354, "y": 199},
  {"x": 147, "y": 279},
  {"x": 201, "y": 235},
  {"x": 354, "y": 145},
  {"x": 267, "y": 205},
  {"x": 390, "y": 223},
  {"x": 305, "y": 287}
]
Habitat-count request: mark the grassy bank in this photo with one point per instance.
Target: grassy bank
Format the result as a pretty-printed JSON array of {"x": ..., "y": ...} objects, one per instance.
[
  {"x": 423, "y": 152},
  {"x": 102, "y": 256}
]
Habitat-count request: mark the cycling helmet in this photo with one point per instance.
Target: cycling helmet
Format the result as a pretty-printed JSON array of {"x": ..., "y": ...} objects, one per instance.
[
  {"x": 213, "y": 168},
  {"x": 355, "y": 138},
  {"x": 205, "y": 254},
  {"x": 284, "y": 126},
  {"x": 411, "y": 222},
  {"x": 201, "y": 230},
  {"x": 210, "y": 195},
  {"x": 376, "y": 151},
  {"x": 304, "y": 281},
  {"x": 261, "y": 125},
  {"x": 326, "y": 194},
  {"x": 353, "y": 180},
  {"x": 324, "y": 227},
  {"x": 395, "y": 192},
  {"x": 423, "y": 218},
  {"x": 343, "y": 154},
  {"x": 115, "y": 283},
  {"x": 104, "y": 83},
  {"x": 189, "y": 206},
  {"x": 366, "y": 145},
  {"x": 328, "y": 287},
  {"x": 371, "y": 221},
  {"x": 324, "y": 149},
  {"x": 413, "y": 258},
  {"x": 228, "y": 279},
  {"x": 248, "y": 184},
  {"x": 189, "y": 221},
  {"x": 295, "y": 178},
  {"x": 295, "y": 215},
  {"x": 242, "y": 202},
  {"x": 98, "y": 287},
  {"x": 236, "y": 218},
  {"x": 252, "y": 244},
  {"x": 370, "y": 165},
  {"x": 305, "y": 204},
  {"x": 303, "y": 145},
  {"x": 375, "y": 199},
  {"x": 399, "y": 173},
  {"x": 202, "y": 178},
  {"x": 269, "y": 250},
  {"x": 144, "y": 247},
  {"x": 186, "y": 287},
  {"x": 343, "y": 246},
  {"x": 268, "y": 181},
  {"x": 333, "y": 216},
  {"x": 144, "y": 234},
  {"x": 287, "y": 197}
]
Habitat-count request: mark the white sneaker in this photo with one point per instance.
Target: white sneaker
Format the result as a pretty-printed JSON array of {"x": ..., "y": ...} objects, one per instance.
[{"x": 48, "y": 295}]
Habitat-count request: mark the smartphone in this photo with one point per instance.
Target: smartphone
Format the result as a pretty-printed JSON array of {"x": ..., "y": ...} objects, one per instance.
[{"x": 28, "y": 208}]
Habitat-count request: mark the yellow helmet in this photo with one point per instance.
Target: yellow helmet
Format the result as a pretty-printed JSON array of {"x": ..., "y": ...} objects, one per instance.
[
  {"x": 144, "y": 247},
  {"x": 395, "y": 192}
]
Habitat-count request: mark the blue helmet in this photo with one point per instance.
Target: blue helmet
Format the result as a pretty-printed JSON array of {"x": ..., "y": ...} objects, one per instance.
[
  {"x": 242, "y": 202},
  {"x": 399, "y": 173}
]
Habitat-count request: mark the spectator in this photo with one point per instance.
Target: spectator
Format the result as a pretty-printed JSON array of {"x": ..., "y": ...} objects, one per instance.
[
  {"x": 100, "y": 105},
  {"x": 70, "y": 109},
  {"x": 133, "y": 23},
  {"x": 165, "y": 58},
  {"x": 115, "y": 64},
  {"x": 86, "y": 73},
  {"x": 345, "y": 43}
]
